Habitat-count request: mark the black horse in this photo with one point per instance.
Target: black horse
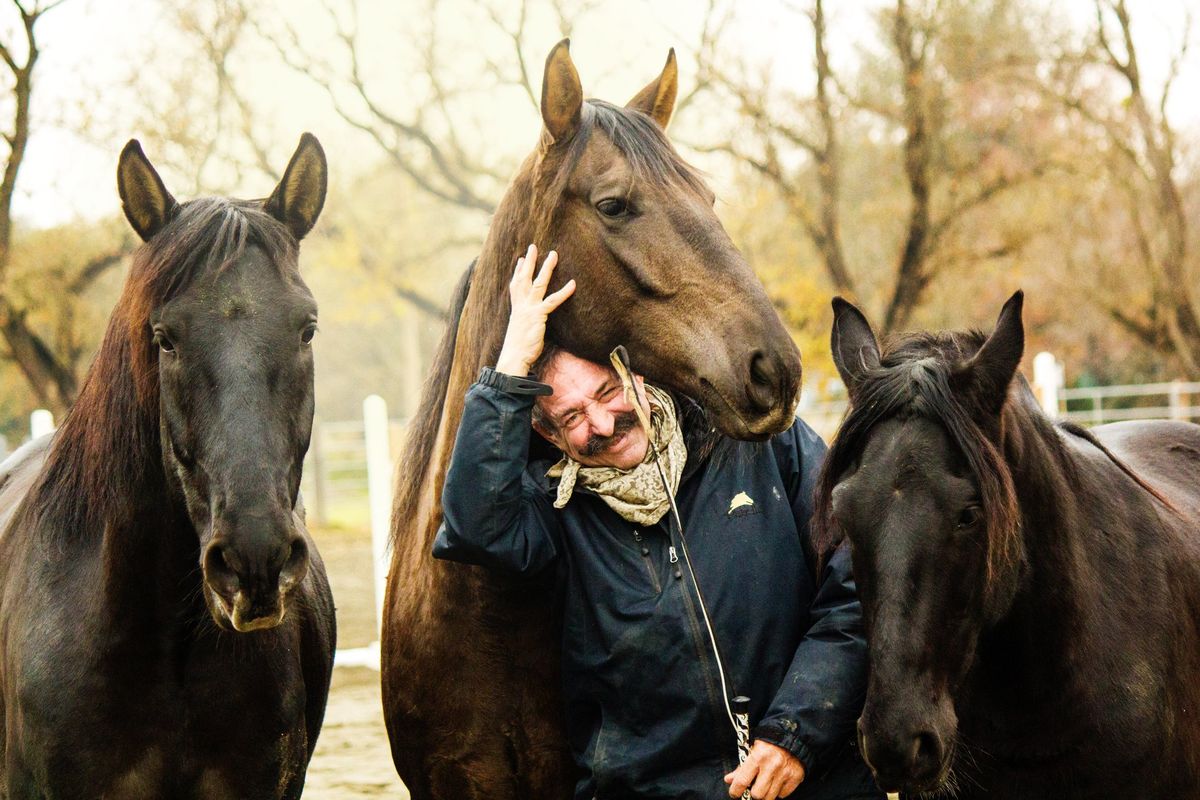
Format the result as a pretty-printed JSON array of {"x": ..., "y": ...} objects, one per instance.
[
  {"x": 166, "y": 627},
  {"x": 1031, "y": 591}
]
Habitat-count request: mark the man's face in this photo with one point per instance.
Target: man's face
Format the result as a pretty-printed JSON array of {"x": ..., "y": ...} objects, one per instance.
[{"x": 588, "y": 418}]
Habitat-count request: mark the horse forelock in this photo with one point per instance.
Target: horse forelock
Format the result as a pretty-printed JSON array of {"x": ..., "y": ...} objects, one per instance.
[
  {"x": 639, "y": 140},
  {"x": 107, "y": 449},
  {"x": 916, "y": 378}
]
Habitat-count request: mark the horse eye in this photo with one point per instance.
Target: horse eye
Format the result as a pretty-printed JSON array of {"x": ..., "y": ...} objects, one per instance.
[
  {"x": 164, "y": 343},
  {"x": 306, "y": 336},
  {"x": 613, "y": 207},
  {"x": 970, "y": 517}
]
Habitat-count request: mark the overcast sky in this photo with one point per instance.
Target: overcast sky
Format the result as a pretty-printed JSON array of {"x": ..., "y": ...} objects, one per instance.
[{"x": 91, "y": 48}]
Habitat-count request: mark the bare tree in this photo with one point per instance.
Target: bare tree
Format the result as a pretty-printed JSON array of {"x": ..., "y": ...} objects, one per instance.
[
  {"x": 203, "y": 128},
  {"x": 941, "y": 194},
  {"x": 424, "y": 139},
  {"x": 421, "y": 140},
  {"x": 51, "y": 370},
  {"x": 1144, "y": 164}
]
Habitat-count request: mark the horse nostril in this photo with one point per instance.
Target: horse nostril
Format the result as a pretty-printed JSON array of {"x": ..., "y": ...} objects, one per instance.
[
  {"x": 763, "y": 387},
  {"x": 219, "y": 571},
  {"x": 761, "y": 370},
  {"x": 926, "y": 757},
  {"x": 296, "y": 565}
]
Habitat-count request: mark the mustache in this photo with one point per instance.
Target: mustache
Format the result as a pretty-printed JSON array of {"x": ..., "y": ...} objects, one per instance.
[{"x": 623, "y": 423}]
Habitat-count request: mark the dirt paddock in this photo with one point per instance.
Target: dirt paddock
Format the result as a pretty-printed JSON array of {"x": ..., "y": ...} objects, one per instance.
[{"x": 352, "y": 758}]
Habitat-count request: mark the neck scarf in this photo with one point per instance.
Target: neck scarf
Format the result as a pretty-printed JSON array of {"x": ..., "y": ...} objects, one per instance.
[{"x": 636, "y": 494}]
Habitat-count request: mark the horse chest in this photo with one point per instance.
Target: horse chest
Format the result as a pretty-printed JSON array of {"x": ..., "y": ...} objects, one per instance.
[
  {"x": 1090, "y": 743},
  {"x": 222, "y": 718}
]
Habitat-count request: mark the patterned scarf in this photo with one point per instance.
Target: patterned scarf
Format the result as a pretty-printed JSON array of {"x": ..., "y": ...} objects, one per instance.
[{"x": 636, "y": 494}]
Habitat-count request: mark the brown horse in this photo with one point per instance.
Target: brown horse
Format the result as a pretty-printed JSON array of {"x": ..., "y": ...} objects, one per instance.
[
  {"x": 471, "y": 659},
  {"x": 166, "y": 629}
]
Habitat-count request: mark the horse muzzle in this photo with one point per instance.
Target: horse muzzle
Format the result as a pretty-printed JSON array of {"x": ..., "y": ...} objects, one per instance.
[
  {"x": 761, "y": 401},
  {"x": 246, "y": 588},
  {"x": 912, "y": 754}
]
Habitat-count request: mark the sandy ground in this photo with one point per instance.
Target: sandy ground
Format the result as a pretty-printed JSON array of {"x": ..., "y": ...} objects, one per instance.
[{"x": 352, "y": 758}]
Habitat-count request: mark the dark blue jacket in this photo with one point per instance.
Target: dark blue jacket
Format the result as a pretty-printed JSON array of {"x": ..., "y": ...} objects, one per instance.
[{"x": 644, "y": 709}]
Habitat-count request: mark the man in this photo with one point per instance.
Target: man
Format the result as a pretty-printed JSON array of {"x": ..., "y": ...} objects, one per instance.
[{"x": 644, "y": 685}]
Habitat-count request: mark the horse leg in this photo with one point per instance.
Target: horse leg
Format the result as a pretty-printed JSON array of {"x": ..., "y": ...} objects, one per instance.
[
  {"x": 545, "y": 767},
  {"x": 487, "y": 772},
  {"x": 546, "y": 771}
]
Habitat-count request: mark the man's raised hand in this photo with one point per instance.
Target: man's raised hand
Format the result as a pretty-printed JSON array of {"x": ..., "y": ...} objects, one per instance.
[{"x": 531, "y": 307}]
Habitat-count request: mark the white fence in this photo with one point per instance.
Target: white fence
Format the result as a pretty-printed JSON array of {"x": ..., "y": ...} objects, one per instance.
[
  {"x": 349, "y": 469},
  {"x": 335, "y": 481},
  {"x": 1092, "y": 405},
  {"x": 335, "y": 472},
  {"x": 1099, "y": 404}
]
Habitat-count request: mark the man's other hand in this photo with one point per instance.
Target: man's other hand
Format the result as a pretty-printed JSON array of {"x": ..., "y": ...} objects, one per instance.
[
  {"x": 768, "y": 772},
  {"x": 531, "y": 306}
]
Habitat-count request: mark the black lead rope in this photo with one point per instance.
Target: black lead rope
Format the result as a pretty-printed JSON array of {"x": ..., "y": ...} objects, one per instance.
[{"x": 738, "y": 709}]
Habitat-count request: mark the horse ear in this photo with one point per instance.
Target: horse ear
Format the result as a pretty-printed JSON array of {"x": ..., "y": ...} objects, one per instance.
[
  {"x": 144, "y": 197},
  {"x": 657, "y": 100},
  {"x": 855, "y": 349},
  {"x": 300, "y": 195},
  {"x": 562, "y": 94},
  {"x": 989, "y": 372}
]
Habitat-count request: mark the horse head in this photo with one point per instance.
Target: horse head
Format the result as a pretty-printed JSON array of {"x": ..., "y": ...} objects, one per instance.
[
  {"x": 634, "y": 225},
  {"x": 223, "y": 339},
  {"x": 916, "y": 481}
]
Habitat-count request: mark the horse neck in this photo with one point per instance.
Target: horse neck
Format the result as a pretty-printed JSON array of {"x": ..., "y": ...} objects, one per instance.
[
  {"x": 151, "y": 559},
  {"x": 1036, "y": 638},
  {"x": 104, "y": 489},
  {"x": 480, "y": 333}
]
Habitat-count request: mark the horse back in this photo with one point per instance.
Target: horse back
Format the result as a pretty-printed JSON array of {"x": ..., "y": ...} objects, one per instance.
[
  {"x": 17, "y": 475},
  {"x": 1166, "y": 454}
]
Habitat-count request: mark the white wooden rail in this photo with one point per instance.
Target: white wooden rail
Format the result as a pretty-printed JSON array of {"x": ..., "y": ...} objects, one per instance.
[{"x": 350, "y": 466}]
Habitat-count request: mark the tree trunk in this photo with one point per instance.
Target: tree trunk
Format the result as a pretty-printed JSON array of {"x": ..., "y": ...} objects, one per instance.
[{"x": 911, "y": 278}]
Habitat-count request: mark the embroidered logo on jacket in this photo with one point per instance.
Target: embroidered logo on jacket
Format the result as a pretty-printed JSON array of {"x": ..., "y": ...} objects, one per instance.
[{"x": 739, "y": 500}]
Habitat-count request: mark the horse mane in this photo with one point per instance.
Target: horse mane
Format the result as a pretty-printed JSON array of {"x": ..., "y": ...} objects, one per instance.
[
  {"x": 418, "y": 445},
  {"x": 106, "y": 453},
  {"x": 915, "y": 378},
  {"x": 527, "y": 212}
]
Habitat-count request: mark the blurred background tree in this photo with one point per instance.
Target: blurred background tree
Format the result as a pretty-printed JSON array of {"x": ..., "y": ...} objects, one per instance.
[{"x": 923, "y": 157}]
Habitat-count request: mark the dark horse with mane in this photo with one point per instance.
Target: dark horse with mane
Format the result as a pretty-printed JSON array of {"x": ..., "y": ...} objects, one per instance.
[
  {"x": 1031, "y": 590},
  {"x": 166, "y": 628},
  {"x": 471, "y": 659}
]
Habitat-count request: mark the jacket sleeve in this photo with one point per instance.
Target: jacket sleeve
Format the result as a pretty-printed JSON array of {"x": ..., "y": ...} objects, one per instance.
[
  {"x": 495, "y": 515},
  {"x": 813, "y": 714}
]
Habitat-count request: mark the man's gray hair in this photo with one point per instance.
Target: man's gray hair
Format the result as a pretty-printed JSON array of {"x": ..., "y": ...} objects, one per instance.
[{"x": 538, "y": 370}]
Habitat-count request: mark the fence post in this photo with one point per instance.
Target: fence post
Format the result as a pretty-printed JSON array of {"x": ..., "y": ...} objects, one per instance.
[
  {"x": 320, "y": 495},
  {"x": 1177, "y": 401},
  {"x": 41, "y": 422},
  {"x": 379, "y": 491},
  {"x": 1047, "y": 378}
]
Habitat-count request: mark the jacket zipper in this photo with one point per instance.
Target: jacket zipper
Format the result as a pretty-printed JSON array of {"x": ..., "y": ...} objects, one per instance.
[
  {"x": 704, "y": 653},
  {"x": 648, "y": 560}
]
